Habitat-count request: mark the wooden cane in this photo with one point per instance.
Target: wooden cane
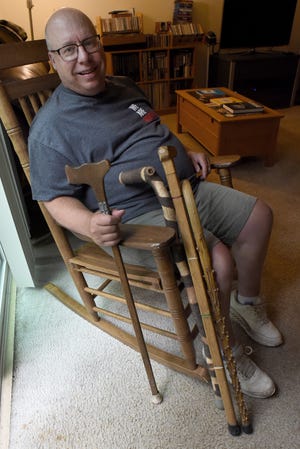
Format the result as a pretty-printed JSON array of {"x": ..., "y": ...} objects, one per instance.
[{"x": 93, "y": 175}]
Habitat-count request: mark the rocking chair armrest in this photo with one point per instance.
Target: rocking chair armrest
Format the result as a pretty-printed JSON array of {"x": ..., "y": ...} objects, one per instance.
[
  {"x": 146, "y": 237},
  {"x": 143, "y": 237},
  {"x": 224, "y": 161}
]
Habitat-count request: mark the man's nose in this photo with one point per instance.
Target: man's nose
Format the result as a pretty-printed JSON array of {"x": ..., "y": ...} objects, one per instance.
[{"x": 82, "y": 53}]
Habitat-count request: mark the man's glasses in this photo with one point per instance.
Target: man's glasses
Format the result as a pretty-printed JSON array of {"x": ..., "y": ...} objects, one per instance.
[{"x": 69, "y": 52}]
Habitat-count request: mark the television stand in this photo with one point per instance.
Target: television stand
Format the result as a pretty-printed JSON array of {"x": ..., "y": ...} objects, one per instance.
[
  {"x": 269, "y": 78},
  {"x": 249, "y": 51},
  {"x": 253, "y": 51}
]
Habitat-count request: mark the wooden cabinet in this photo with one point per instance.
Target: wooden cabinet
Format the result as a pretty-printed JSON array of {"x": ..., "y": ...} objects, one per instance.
[
  {"x": 159, "y": 70},
  {"x": 246, "y": 134}
]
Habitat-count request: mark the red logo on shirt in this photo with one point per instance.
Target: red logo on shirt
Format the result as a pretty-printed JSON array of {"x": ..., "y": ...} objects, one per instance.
[{"x": 150, "y": 116}]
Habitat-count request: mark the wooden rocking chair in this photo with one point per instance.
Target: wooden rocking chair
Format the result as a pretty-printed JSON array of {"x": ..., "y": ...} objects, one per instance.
[{"x": 26, "y": 97}]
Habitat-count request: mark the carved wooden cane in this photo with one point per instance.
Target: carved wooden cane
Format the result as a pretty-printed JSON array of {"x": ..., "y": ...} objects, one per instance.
[{"x": 93, "y": 174}]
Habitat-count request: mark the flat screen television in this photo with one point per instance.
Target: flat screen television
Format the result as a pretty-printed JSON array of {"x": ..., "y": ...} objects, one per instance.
[{"x": 256, "y": 23}]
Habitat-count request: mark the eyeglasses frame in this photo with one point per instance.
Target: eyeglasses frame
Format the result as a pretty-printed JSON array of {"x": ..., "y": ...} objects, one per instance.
[{"x": 77, "y": 45}]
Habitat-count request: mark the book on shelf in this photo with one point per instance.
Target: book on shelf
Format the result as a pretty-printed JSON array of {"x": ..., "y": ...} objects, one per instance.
[
  {"x": 121, "y": 24},
  {"x": 186, "y": 29},
  {"x": 158, "y": 40},
  {"x": 182, "y": 11},
  {"x": 243, "y": 107}
]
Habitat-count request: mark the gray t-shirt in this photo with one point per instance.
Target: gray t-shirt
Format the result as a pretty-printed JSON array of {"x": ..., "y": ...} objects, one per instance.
[{"x": 118, "y": 125}]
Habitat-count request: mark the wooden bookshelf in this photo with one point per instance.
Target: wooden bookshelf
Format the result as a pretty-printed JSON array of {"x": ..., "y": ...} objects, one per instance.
[
  {"x": 159, "y": 71},
  {"x": 159, "y": 63}
]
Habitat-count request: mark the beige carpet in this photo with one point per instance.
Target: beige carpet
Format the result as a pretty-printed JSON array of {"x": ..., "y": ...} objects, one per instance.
[{"x": 76, "y": 388}]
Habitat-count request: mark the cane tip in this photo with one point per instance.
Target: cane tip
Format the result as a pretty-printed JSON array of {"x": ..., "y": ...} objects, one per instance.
[
  {"x": 247, "y": 428},
  {"x": 234, "y": 430},
  {"x": 156, "y": 398}
]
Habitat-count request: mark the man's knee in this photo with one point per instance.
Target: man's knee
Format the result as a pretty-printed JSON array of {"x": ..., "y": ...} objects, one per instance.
[
  {"x": 261, "y": 218},
  {"x": 223, "y": 263},
  {"x": 259, "y": 224}
]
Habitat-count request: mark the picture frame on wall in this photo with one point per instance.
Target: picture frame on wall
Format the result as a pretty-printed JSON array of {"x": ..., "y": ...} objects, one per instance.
[{"x": 162, "y": 27}]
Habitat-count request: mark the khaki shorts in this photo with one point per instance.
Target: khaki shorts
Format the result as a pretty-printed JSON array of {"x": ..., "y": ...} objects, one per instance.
[{"x": 223, "y": 213}]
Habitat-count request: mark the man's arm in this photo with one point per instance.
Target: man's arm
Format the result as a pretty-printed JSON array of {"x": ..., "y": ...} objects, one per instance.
[{"x": 70, "y": 213}]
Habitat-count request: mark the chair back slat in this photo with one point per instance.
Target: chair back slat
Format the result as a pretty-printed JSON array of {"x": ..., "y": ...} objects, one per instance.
[
  {"x": 21, "y": 88},
  {"x": 16, "y": 54}
]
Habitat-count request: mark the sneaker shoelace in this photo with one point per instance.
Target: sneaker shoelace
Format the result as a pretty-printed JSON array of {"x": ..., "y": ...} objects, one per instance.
[
  {"x": 261, "y": 313},
  {"x": 245, "y": 366}
]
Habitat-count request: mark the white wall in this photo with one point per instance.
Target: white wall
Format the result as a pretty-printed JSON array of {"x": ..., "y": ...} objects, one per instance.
[
  {"x": 206, "y": 12},
  {"x": 16, "y": 10}
]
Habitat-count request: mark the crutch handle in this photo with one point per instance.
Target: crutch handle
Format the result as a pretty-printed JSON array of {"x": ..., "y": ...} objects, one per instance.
[{"x": 136, "y": 176}]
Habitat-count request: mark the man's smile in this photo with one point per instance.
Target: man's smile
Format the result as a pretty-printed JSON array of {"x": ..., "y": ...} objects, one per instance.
[{"x": 87, "y": 72}]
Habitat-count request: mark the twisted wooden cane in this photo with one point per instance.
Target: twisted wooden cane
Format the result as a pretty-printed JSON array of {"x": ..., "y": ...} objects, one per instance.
[
  {"x": 213, "y": 292},
  {"x": 200, "y": 265}
]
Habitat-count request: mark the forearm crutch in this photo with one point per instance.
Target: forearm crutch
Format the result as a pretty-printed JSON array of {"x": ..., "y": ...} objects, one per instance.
[
  {"x": 93, "y": 175},
  {"x": 191, "y": 229},
  {"x": 148, "y": 175}
]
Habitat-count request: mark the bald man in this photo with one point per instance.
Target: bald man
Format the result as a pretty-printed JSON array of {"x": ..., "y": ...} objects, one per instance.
[{"x": 91, "y": 117}]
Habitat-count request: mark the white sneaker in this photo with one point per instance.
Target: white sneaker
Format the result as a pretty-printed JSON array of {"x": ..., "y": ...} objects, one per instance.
[
  {"x": 253, "y": 381},
  {"x": 253, "y": 319}
]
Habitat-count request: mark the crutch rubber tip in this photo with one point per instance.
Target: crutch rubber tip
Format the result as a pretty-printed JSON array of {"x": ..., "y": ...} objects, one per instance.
[
  {"x": 156, "y": 398},
  {"x": 247, "y": 428},
  {"x": 234, "y": 430}
]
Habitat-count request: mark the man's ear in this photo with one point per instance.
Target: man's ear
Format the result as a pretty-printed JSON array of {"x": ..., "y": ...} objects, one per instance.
[{"x": 52, "y": 60}]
